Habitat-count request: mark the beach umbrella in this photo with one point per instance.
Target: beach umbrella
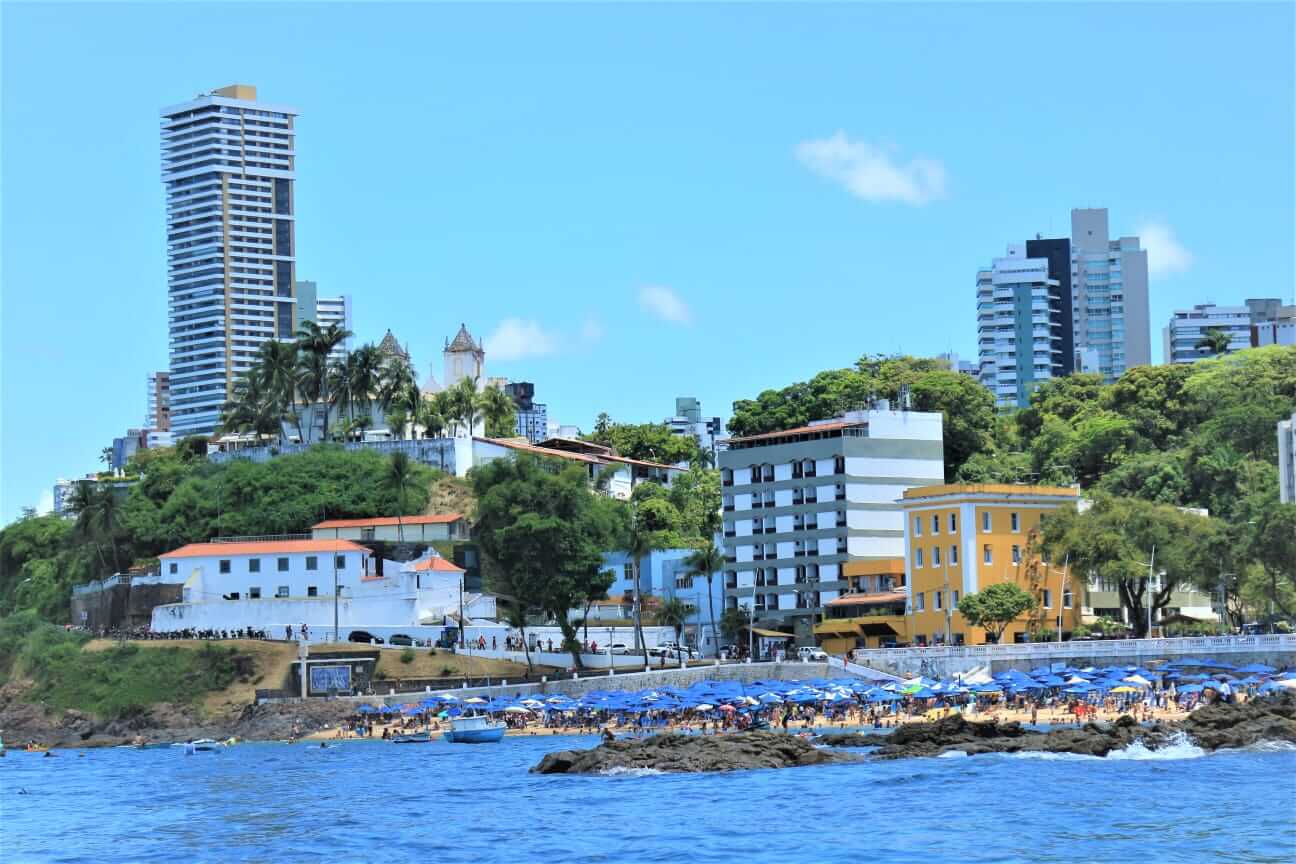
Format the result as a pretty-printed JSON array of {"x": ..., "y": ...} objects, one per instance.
[
  {"x": 1257, "y": 668},
  {"x": 475, "y": 700},
  {"x": 515, "y": 709},
  {"x": 1289, "y": 683},
  {"x": 1138, "y": 680},
  {"x": 366, "y": 709},
  {"x": 1125, "y": 688},
  {"x": 922, "y": 693},
  {"x": 704, "y": 707}
]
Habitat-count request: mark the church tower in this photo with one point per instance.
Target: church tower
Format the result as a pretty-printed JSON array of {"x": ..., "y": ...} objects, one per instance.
[{"x": 464, "y": 357}]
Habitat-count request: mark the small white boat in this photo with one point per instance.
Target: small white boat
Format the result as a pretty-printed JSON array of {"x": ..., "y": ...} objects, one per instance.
[
  {"x": 474, "y": 729},
  {"x": 202, "y": 745}
]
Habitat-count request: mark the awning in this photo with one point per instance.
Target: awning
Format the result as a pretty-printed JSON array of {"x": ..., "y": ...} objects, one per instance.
[
  {"x": 772, "y": 634},
  {"x": 879, "y": 628},
  {"x": 843, "y": 626}
]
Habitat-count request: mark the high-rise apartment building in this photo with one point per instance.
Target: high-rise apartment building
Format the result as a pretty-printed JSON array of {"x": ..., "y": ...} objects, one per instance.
[
  {"x": 158, "y": 413},
  {"x": 1021, "y": 318},
  {"x": 228, "y": 170},
  {"x": 801, "y": 503},
  {"x": 532, "y": 416},
  {"x": 688, "y": 420},
  {"x": 1109, "y": 298},
  {"x": 1277, "y": 328},
  {"x": 324, "y": 311},
  {"x": 1187, "y": 327}
]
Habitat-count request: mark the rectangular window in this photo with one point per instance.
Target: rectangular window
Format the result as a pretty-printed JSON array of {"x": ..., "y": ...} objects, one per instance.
[
  {"x": 917, "y": 526},
  {"x": 1048, "y": 599},
  {"x": 1016, "y": 523},
  {"x": 953, "y": 523},
  {"x": 283, "y": 565},
  {"x": 953, "y": 556},
  {"x": 224, "y": 565},
  {"x": 281, "y": 591},
  {"x": 935, "y": 523},
  {"x": 312, "y": 591},
  {"x": 254, "y": 593},
  {"x": 985, "y": 521},
  {"x": 312, "y": 562},
  {"x": 366, "y": 533},
  {"x": 173, "y": 567},
  {"x": 939, "y": 597},
  {"x": 936, "y": 556},
  {"x": 954, "y": 599},
  {"x": 1066, "y": 599},
  {"x": 918, "y": 558},
  {"x": 1016, "y": 554},
  {"x": 986, "y": 555},
  {"x": 922, "y": 601},
  {"x": 254, "y": 565},
  {"x": 339, "y": 561}
]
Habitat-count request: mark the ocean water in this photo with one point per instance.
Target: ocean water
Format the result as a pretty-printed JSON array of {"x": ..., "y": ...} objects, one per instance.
[{"x": 439, "y": 803}]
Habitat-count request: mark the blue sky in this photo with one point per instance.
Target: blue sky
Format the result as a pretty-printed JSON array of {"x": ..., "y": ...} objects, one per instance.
[{"x": 631, "y": 202}]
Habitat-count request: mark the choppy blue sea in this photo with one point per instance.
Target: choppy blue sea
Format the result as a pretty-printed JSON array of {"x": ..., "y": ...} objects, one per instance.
[{"x": 437, "y": 803}]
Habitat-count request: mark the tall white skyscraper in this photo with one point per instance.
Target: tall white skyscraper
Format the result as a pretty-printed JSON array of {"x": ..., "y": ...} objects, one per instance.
[
  {"x": 228, "y": 170},
  {"x": 1019, "y": 326},
  {"x": 1109, "y": 298}
]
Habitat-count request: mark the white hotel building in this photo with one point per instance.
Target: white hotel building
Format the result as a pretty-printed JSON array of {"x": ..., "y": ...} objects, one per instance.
[
  {"x": 228, "y": 169},
  {"x": 798, "y": 504}
]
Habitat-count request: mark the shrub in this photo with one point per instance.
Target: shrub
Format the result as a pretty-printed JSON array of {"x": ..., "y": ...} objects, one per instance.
[{"x": 407, "y": 656}]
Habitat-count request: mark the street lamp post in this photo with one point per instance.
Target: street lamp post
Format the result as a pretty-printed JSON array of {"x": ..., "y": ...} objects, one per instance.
[{"x": 335, "y": 597}]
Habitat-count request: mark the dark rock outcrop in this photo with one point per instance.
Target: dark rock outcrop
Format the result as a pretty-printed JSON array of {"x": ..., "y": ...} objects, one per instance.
[
  {"x": 688, "y": 753},
  {"x": 1211, "y": 727}
]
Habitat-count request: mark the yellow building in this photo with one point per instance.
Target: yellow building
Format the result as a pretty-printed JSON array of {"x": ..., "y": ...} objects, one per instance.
[
  {"x": 870, "y": 613},
  {"x": 960, "y": 539}
]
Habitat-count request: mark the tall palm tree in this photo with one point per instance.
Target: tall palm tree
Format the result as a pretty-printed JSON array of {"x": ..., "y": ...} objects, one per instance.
[
  {"x": 84, "y": 504},
  {"x": 432, "y": 420},
  {"x": 399, "y": 478},
  {"x": 364, "y": 373},
  {"x": 277, "y": 368},
  {"x": 640, "y": 544},
  {"x": 707, "y": 561},
  {"x": 500, "y": 412},
  {"x": 463, "y": 401},
  {"x": 398, "y": 389},
  {"x": 316, "y": 343},
  {"x": 1215, "y": 341}
]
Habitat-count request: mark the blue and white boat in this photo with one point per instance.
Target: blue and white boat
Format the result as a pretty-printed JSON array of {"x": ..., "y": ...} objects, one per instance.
[{"x": 474, "y": 729}]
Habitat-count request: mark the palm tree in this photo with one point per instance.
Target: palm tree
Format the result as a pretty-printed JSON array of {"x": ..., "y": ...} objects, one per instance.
[
  {"x": 277, "y": 369},
  {"x": 84, "y": 504},
  {"x": 707, "y": 561},
  {"x": 312, "y": 381},
  {"x": 500, "y": 412},
  {"x": 399, "y": 477},
  {"x": 673, "y": 614},
  {"x": 364, "y": 375},
  {"x": 462, "y": 401},
  {"x": 640, "y": 544},
  {"x": 315, "y": 344},
  {"x": 398, "y": 389},
  {"x": 1215, "y": 341}
]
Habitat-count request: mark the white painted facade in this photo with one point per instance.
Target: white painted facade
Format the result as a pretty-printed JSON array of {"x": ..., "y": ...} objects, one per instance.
[
  {"x": 1287, "y": 460},
  {"x": 1186, "y": 328}
]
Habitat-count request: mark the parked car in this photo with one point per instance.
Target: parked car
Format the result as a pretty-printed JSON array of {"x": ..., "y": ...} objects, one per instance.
[
  {"x": 620, "y": 648},
  {"x": 808, "y": 654},
  {"x": 364, "y": 636},
  {"x": 400, "y": 639}
]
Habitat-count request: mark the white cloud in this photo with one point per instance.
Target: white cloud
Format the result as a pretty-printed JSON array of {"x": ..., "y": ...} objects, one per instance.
[
  {"x": 518, "y": 338},
  {"x": 872, "y": 173},
  {"x": 664, "y": 303},
  {"x": 1166, "y": 255}
]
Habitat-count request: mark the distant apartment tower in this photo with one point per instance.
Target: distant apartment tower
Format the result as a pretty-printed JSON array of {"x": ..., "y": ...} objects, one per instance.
[
  {"x": 1109, "y": 298},
  {"x": 688, "y": 420},
  {"x": 158, "y": 401},
  {"x": 1277, "y": 327},
  {"x": 532, "y": 416},
  {"x": 1021, "y": 318},
  {"x": 1187, "y": 327},
  {"x": 228, "y": 170},
  {"x": 324, "y": 311},
  {"x": 799, "y": 504},
  {"x": 1287, "y": 460}
]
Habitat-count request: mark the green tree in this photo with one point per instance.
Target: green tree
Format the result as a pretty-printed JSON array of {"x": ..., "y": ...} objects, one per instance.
[
  {"x": 399, "y": 478},
  {"x": 650, "y": 442},
  {"x": 674, "y": 613},
  {"x": 314, "y": 345},
  {"x": 463, "y": 405},
  {"x": 734, "y": 623},
  {"x": 707, "y": 562},
  {"x": 499, "y": 412},
  {"x": 995, "y": 607},
  {"x": 1214, "y": 341}
]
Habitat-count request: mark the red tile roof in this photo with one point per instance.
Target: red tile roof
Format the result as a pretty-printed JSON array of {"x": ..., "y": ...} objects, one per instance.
[
  {"x": 834, "y": 426},
  {"x": 265, "y": 547},
  {"x": 376, "y": 521},
  {"x": 437, "y": 563},
  {"x": 877, "y": 597}
]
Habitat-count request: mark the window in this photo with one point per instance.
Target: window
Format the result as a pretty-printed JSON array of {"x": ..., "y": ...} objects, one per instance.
[
  {"x": 986, "y": 555},
  {"x": 922, "y": 601},
  {"x": 281, "y": 591},
  {"x": 282, "y": 564},
  {"x": 953, "y": 555},
  {"x": 954, "y": 599},
  {"x": 339, "y": 561},
  {"x": 917, "y": 526},
  {"x": 935, "y": 523},
  {"x": 173, "y": 567},
  {"x": 953, "y": 523},
  {"x": 254, "y": 593},
  {"x": 1066, "y": 599},
  {"x": 918, "y": 558},
  {"x": 366, "y": 533},
  {"x": 312, "y": 562},
  {"x": 224, "y": 565},
  {"x": 1016, "y": 522},
  {"x": 254, "y": 565},
  {"x": 985, "y": 521},
  {"x": 312, "y": 591},
  {"x": 755, "y": 473},
  {"x": 1016, "y": 554},
  {"x": 938, "y": 597},
  {"x": 936, "y": 556},
  {"x": 1048, "y": 599}
]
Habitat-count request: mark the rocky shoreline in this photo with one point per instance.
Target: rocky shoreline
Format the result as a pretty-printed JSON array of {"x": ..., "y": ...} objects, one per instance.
[
  {"x": 694, "y": 753},
  {"x": 1212, "y": 727}
]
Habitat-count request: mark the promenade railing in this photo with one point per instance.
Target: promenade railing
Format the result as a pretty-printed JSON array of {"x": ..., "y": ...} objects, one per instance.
[{"x": 1204, "y": 646}]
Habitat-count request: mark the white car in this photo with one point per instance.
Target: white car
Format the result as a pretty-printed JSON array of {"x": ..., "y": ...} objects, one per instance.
[{"x": 807, "y": 654}]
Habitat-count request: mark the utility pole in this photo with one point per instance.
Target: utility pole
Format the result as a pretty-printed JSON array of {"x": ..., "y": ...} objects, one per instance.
[
  {"x": 1066, "y": 564},
  {"x": 949, "y": 613}
]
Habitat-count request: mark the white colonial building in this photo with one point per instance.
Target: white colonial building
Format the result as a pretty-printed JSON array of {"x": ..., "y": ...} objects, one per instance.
[{"x": 392, "y": 529}]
